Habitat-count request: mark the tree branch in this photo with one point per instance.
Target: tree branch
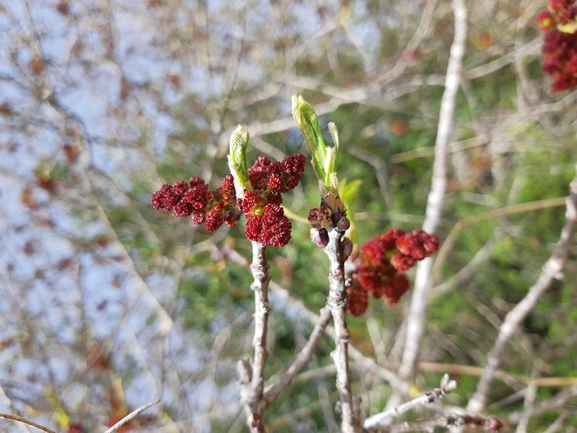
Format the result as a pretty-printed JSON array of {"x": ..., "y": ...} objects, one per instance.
[
  {"x": 252, "y": 376},
  {"x": 446, "y": 387},
  {"x": 302, "y": 359},
  {"x": 25, "y": 421},
  {"x": 337, "y": 302},
  {"x": 415, "y": 320},
  {"x": 446, "y": 421},
  {"x": 131, "y": 415},
  {"x": 551, "y": 270},
  {"x": 554, "y": 402}
]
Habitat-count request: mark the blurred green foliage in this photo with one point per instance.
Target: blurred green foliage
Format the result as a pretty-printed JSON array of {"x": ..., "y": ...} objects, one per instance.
[{"x": 504, "y": 151}]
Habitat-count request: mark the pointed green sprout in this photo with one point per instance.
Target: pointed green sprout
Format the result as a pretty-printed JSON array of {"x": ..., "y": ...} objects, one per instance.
[
  {"x": 324, "y": 159},
  {"x": 237, "y": 159}
]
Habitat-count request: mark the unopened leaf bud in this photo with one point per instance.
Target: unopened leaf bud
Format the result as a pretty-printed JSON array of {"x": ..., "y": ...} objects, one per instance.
[
  {"x": 320, "y": 237},
  {"x": 347, "y": 247},
  {"x": 237, "y": 159},
  {"x": 308, "y": 122},
  {"x": 343, "y": 224}
]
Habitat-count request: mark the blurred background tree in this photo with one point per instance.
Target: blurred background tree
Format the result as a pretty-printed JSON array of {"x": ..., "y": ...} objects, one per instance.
[{"x": 107, "y": 304}]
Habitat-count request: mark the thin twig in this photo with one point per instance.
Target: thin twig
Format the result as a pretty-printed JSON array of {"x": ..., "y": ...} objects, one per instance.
[
  {"x": 467, "y": 271},
  {"x": 25, "y": 421},
  {"x": 558, "y": 423},
  {"x": 252, "y": 377},
  {"x": 293, "y": 306},
  {"x": 530, "y": 395},
  {"x": 446, "y": 387},
  {"x": 415, "y": 319},
  {"x": 551, "y": 270},
  {"x": 450, "y": 420},
  {"x": 131, "y": 415},
  {"x": 469, "y": 370},
  {"x": 337, "y": 302},
  {"x": 554, "y": 402},
  {"x": 495, "y": 213},
  {"x": 302, "y": 358}
]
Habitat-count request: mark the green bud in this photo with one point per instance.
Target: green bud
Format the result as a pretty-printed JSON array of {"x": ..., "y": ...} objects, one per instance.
[
  {"x": 308, "y": 122},
  {"x": 237, "y": 159},
  {"x": 324, "y": 158}
]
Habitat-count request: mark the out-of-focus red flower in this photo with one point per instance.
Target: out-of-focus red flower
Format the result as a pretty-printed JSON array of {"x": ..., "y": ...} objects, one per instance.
[
  {"x": 357, "y": 299},
  {"x": 266, "y": 221},
  {"x": 382, "y": 262},
  {"x": 560, "y": 48}
]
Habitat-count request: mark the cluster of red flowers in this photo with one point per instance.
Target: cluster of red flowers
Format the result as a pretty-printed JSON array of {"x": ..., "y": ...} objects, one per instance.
[
  {"x": 196, "y": 200},
  {"x": 560, "y": 47},
  {"x": 381, "y": 265},
  {"x": 266, "y": 221}
]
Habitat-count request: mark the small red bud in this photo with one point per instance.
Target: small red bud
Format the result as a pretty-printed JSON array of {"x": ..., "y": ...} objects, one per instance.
[
  {"x": 347, "y": 247},
  {"x": 343, "y": 224},
  {"x": 320, "y": 237}
]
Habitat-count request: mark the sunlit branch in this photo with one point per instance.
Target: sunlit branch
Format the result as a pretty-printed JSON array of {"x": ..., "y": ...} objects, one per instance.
[
  {"x": 25, "y": 421},
  {"x": 551, "y": 270},
  {"x": 337, "y": 302},
  {"x": 445, "y": 388},
  {"x": 131, "y": 416},
  {"x": 252, "y": 376},
  {"x": 436, "y": 196},
  {"x": 302, "y": 359}
]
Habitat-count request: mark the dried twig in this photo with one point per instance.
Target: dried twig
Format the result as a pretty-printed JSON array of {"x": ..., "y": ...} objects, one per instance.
[
  {"x": 551, "y": 270},
  {"x": 25, "y": 421},
  {"x": 283, "y": 299},
  {"x": 415, "y": 319},
  {"x": 446, "y": 387},
  {"x": 131, "y": 416},
  {"x": 450, "y": 420},
  {"x": 337, "y": 302},
  {"x": 302, "y": 358},
  {"x": 252, "y": 376},
  {"x": 554, "y": 402},
  {"x": 469, "y": 370},
  {"x": 495, "y": 213}
]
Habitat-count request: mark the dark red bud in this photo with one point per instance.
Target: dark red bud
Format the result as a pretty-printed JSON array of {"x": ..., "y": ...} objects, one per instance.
[
  {"x": 320, "y": 237},
  {"x": 343, "y": 224},
  {"x": 347, "y": 247}
]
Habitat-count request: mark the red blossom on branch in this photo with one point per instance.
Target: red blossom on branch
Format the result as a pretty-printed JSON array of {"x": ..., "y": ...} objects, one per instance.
[
  {"x": 560, "y": 47},
  {"x": 381, "y": 265},
  {"x": 266, "y": 221}
]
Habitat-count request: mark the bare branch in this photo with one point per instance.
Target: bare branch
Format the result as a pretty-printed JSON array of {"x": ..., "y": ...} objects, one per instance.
[
  {"x": 25, "y": 421},
  {"x": 302, "y": 358},
  {"x": 469, "y": 370},
  {"x": 530, "y": 395},
  {"x": 252, "y": 376},
  {"x": 430, "y": 397},
  {"x": 450, "y": 420},
  {"x": 337, "y": 302},
  {"x": 555, "y": 426},
  {"x": 495, "y": 213},
  {"x": 544, "y": 406},
  {"x": 296, "y": 306},
  {"x": 551, "y": 270},
  {"x": 435, "y": 200},
  {"x": 131, "y": 415}
]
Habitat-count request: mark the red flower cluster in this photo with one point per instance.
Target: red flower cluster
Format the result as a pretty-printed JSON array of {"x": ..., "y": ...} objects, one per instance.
[
  {"x": 272, "y": 228},
  {"x": 560, "y": 47},
  {"x": 277, "y": 177},
  {"x": 381, "y": 264},
  {"x": 266, "y": 221},
  {"x": 195, "y": 199}
]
